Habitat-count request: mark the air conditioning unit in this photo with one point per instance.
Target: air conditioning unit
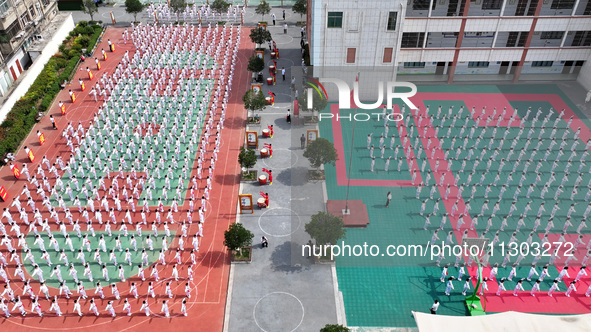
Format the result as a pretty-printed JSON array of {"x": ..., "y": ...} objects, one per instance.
[
  {"x": 38, "y": 37},
  {"x": 36, "y": 22}
]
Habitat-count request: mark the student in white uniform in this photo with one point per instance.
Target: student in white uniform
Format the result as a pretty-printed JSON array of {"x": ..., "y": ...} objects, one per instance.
[
  {"x": 554, "y": 288},
  {"x": 501, "y": 286},
  {"x": 450, "y": 286},
  {"x": 571, "y": 288}
]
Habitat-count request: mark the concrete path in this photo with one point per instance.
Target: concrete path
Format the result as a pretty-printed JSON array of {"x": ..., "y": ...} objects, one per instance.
[{"x": 281, "y": 290}]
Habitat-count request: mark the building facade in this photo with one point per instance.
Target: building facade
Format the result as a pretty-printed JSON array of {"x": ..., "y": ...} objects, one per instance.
[
  {"x": 21, "y": 24},
  {"x": 453, "y": 40}
]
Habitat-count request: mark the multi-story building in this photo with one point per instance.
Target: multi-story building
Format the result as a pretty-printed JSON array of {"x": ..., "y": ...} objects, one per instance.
[
  {"x": 21, "y": 24},
  {"x": 453, "y": 40}
]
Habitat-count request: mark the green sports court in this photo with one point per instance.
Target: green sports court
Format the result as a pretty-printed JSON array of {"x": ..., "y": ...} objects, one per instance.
[{"x": 382, "y": 290}]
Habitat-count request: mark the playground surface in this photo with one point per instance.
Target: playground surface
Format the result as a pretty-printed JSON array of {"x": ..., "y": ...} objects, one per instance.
[
  {"x": 208, "y": 288},
  {"x": 382, "y": 290}
]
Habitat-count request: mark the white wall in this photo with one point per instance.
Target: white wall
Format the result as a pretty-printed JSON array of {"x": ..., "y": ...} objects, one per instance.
[
  {"x": 363, "y": 28},
  {"x": 31, "y": 74}
]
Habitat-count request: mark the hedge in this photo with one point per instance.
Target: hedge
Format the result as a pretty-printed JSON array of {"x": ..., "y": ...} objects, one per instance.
[{"x": 21, "y": 118}]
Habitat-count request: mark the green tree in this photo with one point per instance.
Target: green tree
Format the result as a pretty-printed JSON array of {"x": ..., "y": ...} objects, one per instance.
[
  {"x": 320, "y": 152},
  {"x": 254, "y": 101},
  {"x": 300, "y": 7},
  {"x": 263, "y": 9},
  {"x": 325, "y": 228},
  {"x": 237, "y": 237},
  {"x": 318, "y": 102},
  {"x": 178, "y": 6},
  {"x": 134, "y": 7},
  {"x": 220, "y": 6},
  {"x": 260, "y": 36},
  {"x": 255, "y": 64},
  {"x": 247, "y": 158},
  {"x": 89, "y": 7}
]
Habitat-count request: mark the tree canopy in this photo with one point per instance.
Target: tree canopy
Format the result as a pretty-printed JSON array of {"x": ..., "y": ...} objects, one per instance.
[
  {"x": 134, "y": 7},
  {"x": 247, "y": 158},
  {"x": 320, "y": 152},
  {"x": 237, "y": 237},
  {"x": 255, "y": 64},
  {"x": 325, "y": 228},
  {"x": 300, "y": 7},
  {"x": 178, "y": 6},
  {"x": 263, "y": 9},
  {"x": 318, "y": 102},
  {"x": 89, "y": 7},
  {"x": 220, "y": 6},
  {"x": 254, "y": 101},
  {"x": 260, "y": 36}
]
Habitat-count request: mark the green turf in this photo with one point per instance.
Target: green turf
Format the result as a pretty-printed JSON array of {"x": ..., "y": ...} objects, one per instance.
[
  {"x": 360, "y": 167},
  {"x": 176, "y": 173},
  {"x": 89, "y": 256},
  {"x": 382, "y": 291}
]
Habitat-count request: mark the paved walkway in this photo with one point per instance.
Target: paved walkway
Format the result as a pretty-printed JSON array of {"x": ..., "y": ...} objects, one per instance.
[
  {"x": 123, "y": 19},
  {"x": 281, "y": 290}
]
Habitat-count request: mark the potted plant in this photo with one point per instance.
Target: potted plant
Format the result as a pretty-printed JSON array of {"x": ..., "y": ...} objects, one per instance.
[
  {"x": 177, "y": 6},
  {"x": 320, "y": 152},
  {"x": 247, "y": 159},
  {"x": 134, "y": 7},
  {"x": 325, "y": 229},
  {"x": 260, "y": 36},
  {"x": 239, "y": 240},
  {"x": 263, "y": 9},
  {"x": 334, "y": 328},
  {"x": 256, "y": 65},
  {"x": 253, "y": 102},
  {"x": 318, "y": 104},
  {"x": 220, "y": 6}
]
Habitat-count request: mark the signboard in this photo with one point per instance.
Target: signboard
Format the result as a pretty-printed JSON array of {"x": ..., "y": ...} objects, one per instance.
[
  {"x": 41, "y": 138},
  {"x": 252, "y": 140},
  {"x": 245, "y": 201},
  {"x": 260, "y": 54},
  {"x": 256, "y": 88},
  {"x": 311, "y": 136},
  {"x": 31, "y": 156}
]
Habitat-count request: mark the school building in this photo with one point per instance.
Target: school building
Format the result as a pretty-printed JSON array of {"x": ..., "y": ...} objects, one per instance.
[{"x": 455, "y": 40}]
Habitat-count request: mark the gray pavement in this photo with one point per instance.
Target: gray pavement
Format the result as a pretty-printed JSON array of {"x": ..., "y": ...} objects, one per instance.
[
  {"x": 123, "y": 19},
  {"x": 281, "y": 290}
]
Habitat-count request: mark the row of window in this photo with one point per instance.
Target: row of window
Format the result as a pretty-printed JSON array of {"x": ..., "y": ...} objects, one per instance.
[
  {"x": 485, "y": 39},
  {"x": 479, "y": 64},
  {"x": 388, "y": 52},
  {"x": 335, "y": 20},
  {"x": 521, "y": 8}
]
